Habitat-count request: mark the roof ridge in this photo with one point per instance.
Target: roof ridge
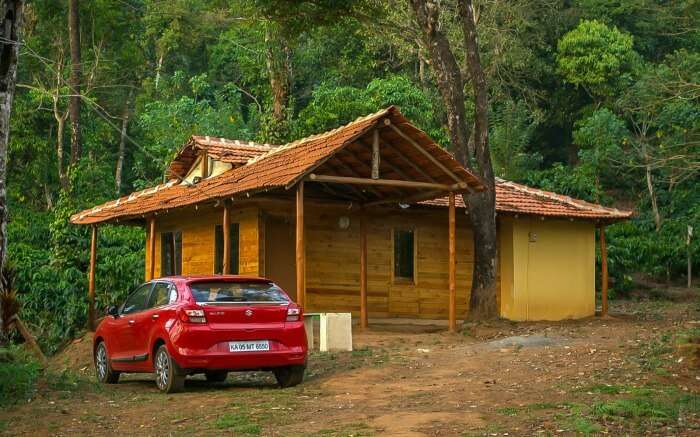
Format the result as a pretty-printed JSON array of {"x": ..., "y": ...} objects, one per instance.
[
  {"x": 306, "y": 139},
  {"x": 568, "y": 200}
]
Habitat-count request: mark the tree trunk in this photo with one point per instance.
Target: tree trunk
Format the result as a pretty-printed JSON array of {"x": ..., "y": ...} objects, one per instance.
[
  {"x": 482, "y": 206},
  {"x": 650, "y": 187},
  {"x": 277, "y": 54},
  {"x": 75, "y": 78},
  {"x": 122, "y": 146},
  {"x": 9, "y": 43},
  {"x": 448, "y": 76},
  {"x": 60, "y": 131},
  {"x": 474, "y": 154}
]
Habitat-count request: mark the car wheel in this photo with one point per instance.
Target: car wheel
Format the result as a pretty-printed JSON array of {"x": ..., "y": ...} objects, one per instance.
[
  {"x": 103, "y": 369},
  {"x": 169, "y": 377},
  {"x": 289, "y": 376},
  {"x": 216, "y": 376}
]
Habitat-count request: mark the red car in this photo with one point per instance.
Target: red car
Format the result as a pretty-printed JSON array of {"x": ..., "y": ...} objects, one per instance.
[{"x": 179, "y": 326}]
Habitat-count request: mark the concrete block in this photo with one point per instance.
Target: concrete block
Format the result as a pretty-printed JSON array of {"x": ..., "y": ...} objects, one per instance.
[
  {"x": 335, "y": 332},
  {"x": 309, "y": 326}
]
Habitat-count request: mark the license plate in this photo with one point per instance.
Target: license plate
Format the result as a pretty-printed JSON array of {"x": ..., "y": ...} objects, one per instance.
[{"x": 249, "y": 346}]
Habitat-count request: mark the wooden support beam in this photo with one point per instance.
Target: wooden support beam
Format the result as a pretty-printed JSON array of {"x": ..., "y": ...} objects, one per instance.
[
  {"x": 205, "y": 164},
  {"x": 300, "y": 255},
  {"x": 425, "y": 153},
  {"x": 375, "y": 154},
  {"x": 226, "y": 231},
  {"x": 91, "y": 279},
  {"x": 359, "y": 162},
  {"x": 380, "y": 182},
  {"x": 427, "y": 195},
  {"x": 349, "y": 169},
  {"x": 452, "y": 267},
  {"x": 603, "y": 273},
  {"x": 152, "y": 247},
  {"x": 363, "y": 270},
  {"x": 412, "y": 164},
  {"x": 391, "y": 166}
]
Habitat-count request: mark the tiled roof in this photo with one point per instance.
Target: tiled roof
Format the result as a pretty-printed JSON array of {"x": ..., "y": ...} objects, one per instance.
[
  {"x": 234, "y": 152},
  {"x": 279, "y": 167},
  {"x": 514, "y": 198}
]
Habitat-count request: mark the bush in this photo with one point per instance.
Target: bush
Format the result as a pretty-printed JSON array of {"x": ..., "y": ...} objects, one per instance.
[{"x": 18, "y": 376}]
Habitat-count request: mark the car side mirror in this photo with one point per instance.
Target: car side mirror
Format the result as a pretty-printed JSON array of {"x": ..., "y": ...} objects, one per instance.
[{"x": 113, "y": 311}]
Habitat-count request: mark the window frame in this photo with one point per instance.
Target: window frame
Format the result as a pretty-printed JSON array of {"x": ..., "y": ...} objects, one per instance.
[
  {"x": 133, "y": 292},
  {"x": 401, "y": 280},
  {"x": 235, "y": 264},
  {"x": 177, "y": 266},
  {"x": 153, "y": 289}
]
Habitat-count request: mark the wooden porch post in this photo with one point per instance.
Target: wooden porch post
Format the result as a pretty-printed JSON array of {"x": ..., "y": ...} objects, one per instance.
[
  {"x": 300, "y": 257},
  {"x": 152, "y": 247},
  {"x": 91, "y": 279},
  {"x": 226, "y": 231},
  {"x": 363, "y": 271},
  {"x": 452, "y": 269},
  {"x": 603, "y": 273}
]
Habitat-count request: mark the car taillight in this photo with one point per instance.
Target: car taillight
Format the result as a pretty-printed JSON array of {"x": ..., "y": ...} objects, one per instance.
[
  {"x": 293, "y": 314},
  {"x": 193, "y": 316}
]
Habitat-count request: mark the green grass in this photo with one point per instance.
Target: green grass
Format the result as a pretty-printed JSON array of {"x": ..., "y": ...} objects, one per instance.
[
  {"x": 238, "y": 423},
  {"x": 664, "y": 405},
  {"x": 607, "y": 389},
  {"x": 508, "y": 411},
  {"x": 585, "y": 426},
  {"x": 18, "y": 377}
]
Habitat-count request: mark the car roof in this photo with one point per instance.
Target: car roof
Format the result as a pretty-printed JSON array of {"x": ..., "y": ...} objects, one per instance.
[{"x": 204, "y": 278}]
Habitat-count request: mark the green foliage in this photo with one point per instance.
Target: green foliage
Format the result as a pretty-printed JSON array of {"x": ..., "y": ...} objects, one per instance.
[
  {"x": 595, "y": 56},
  {"x": 188, "y": 67},
  {"x": 512, "y": 126},
  {"x": 18, "y": 376}
]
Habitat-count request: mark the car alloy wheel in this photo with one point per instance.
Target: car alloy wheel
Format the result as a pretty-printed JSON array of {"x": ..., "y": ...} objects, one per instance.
[
  {"x": 162, "y": 369},
  {"x": 103, "y": 370},
  {"x": 101, "y": 362},
  {"x": 169, "y": 377}
]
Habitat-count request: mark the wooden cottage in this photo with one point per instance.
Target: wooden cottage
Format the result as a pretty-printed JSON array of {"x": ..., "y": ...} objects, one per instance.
[{"x": 367, "y": 218}]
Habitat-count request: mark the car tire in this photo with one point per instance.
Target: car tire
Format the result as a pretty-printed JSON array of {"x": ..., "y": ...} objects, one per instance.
[
  {"x": 216, "y": 376},
  {"x": 289, "y": 376},
  {"x": 169, "y": 376},
  {"x": 103, "y": 369}
]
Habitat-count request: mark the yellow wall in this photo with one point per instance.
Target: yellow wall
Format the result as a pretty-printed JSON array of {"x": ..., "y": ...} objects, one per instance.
[
  {"x": 547, "y": 268},
  {"x": 198, "y": 239}
]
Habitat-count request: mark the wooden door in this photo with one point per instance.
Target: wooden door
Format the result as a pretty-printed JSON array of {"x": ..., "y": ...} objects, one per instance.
[{"x": 280, "y": 253}]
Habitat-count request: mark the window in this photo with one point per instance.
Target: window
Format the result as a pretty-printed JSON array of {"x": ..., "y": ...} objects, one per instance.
[
  {"x": 219, "y": 249},
  {"x": 137, "y": 300},
  {"x": 404, "y": 254},
  {"x": 163, "y": 294},
  {"x": 171, "y": 253},
  {"x": 237, "y": 292}
]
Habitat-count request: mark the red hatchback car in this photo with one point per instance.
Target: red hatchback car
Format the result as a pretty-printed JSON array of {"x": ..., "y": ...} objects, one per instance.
[{"x": 179, "y": 326}]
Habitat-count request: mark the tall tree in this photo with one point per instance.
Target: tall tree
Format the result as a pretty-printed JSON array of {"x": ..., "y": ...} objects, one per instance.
[
  {"x": 75, "y": 78},
  {"x": 9, "y": 45},
  {"x": 474, "y": 155}
]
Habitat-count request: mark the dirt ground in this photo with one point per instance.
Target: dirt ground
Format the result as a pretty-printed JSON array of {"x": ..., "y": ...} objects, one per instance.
[{"x": 628, "y": 374}]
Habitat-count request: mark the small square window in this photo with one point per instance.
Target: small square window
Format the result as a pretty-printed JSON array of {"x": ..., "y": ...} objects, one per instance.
[
  {"x": 404, "y": 253},
  {"x": 171, "y": 253}
]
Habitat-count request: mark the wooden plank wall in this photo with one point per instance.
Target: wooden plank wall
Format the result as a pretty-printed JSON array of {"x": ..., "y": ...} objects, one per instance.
[
  {"x": 198, "y": 239},
  {"x": 333, "y": 261}
]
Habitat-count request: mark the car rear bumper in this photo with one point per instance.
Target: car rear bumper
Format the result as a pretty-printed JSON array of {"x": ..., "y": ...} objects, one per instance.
[
  {"x": 242, "y": 361},
  {"x": 203, "y": 349}
]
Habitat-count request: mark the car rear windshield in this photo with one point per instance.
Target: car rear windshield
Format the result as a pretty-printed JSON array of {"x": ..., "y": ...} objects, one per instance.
[{"x": 237, "y": 292}]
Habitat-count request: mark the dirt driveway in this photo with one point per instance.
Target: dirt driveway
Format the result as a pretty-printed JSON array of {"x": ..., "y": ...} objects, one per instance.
[{"x": 622, "y": 375}]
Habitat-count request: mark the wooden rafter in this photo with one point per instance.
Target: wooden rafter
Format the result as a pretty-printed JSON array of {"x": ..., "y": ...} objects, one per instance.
[
  {"x": 379, "y": 182},
  {"x": 338, "y": 160},
  {"x": 425, "y": 153},
  {"x": 408, "y": 161}
]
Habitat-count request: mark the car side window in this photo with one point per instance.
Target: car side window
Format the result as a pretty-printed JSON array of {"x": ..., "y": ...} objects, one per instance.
[
  {"x": 163, "y": 294},
  {"x": 137, "y": 300}
]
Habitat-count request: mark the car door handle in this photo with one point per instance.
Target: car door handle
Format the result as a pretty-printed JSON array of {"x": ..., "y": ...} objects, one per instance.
[
  {"x": 154, "y": 316},
  {"x": 131, "y": 322}
]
